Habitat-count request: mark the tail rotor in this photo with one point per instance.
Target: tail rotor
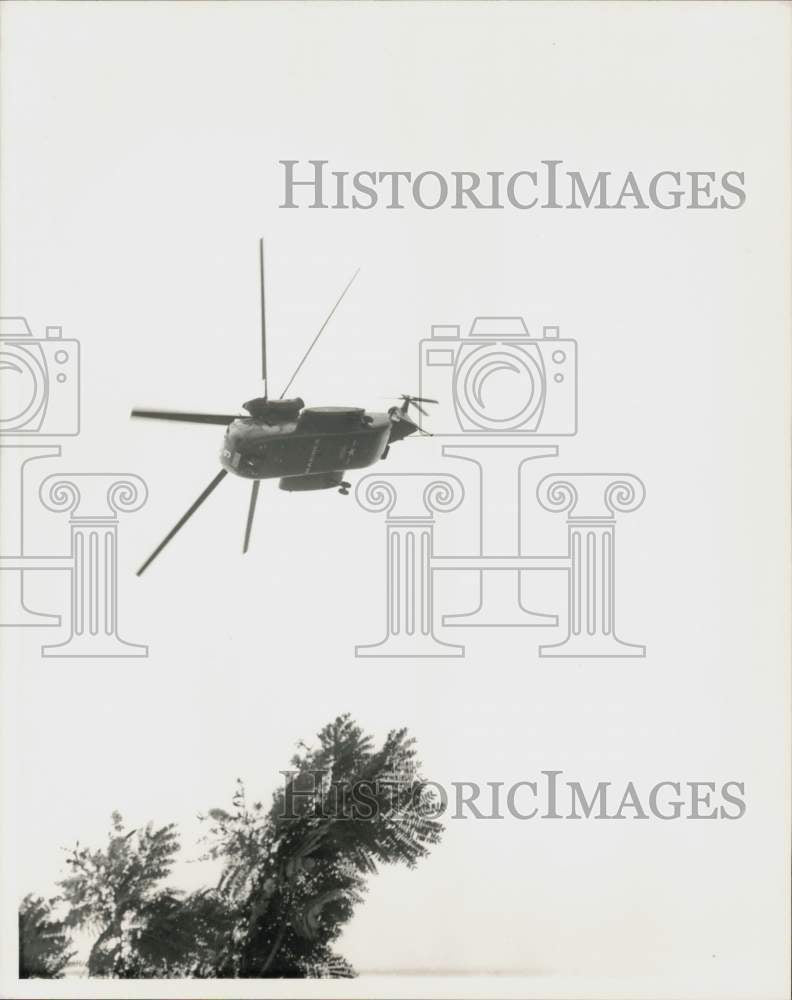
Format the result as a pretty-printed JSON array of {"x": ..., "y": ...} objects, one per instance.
[
  {"x": 408, "y": 401},
  {"x": 400, "y": 414}
]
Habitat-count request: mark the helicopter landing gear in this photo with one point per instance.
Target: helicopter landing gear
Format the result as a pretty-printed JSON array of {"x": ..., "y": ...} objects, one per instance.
[{"x": 344, "y": 488}]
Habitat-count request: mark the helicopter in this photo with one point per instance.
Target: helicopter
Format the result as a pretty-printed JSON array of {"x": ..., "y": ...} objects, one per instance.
[{"x": 306, "y": 448}]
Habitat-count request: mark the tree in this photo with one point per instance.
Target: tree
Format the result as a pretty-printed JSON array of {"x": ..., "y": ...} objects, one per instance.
[
  {"x": 116, "y": 892},
  {"x": 291, "y": 877},
  {"x": 43, "y": 941},
  {"x": 294, "y": 873}
]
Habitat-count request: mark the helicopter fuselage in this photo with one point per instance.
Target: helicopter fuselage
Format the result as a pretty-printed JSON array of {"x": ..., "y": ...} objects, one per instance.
[{"x": 307, "y": 451}]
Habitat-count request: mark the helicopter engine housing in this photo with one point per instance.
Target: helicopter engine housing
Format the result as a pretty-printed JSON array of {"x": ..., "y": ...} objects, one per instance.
[{"x": 331, "y": 418}]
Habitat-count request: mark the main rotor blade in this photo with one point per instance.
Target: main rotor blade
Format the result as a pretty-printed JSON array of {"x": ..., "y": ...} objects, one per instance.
[
  {"x": 421, "y": 399},
  {"x": 183, "y": 520},
  {"x": 263, "y": 317},
  {"x": 251, "y": 511},
  {"x": 189, "y": 418},
  {"x": 319, "y": 334}
]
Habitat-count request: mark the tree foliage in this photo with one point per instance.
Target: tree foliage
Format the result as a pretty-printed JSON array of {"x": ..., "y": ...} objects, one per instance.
[
  {"x": 116, "y": 890},
  {"x": 44, "y": 950},
  {"x": 292, "y": 873}
]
